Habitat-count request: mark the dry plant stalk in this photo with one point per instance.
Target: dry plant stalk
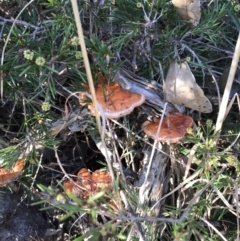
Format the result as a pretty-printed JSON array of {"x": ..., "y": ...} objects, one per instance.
[
  {"x": 223, "y": 107},
  {"x": 89, "y": 77},
  {"x": 86, "y": 60}
]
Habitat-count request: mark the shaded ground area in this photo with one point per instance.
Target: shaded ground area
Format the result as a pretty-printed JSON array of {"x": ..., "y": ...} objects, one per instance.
[{"x": 20, "y": 221}]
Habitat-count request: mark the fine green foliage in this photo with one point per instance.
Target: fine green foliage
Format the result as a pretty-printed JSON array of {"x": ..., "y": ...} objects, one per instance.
[{"x": 42, "y": 68}]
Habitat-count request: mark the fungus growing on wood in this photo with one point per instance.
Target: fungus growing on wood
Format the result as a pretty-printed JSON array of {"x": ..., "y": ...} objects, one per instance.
[
  {"x": 173, "y": 128},
  {"x": 115, "y": 101},
  {"x": 9, "y": 175}
]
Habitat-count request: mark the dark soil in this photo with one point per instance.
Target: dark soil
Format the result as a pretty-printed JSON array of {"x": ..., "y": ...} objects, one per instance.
[{"x": 21, "y": 222}]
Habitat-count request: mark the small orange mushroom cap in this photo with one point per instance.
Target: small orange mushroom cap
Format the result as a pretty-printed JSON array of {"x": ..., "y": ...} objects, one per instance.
[
  {"x": 173, "y": 128},
  {"x": 115, "y": 101}
]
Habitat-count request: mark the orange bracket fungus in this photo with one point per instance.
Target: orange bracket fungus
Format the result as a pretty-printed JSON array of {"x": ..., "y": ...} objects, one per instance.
[
  {"x": 173, "y": 128},
  {"x": 9, "y": 175},
  {"x": 115, "y": 101}
]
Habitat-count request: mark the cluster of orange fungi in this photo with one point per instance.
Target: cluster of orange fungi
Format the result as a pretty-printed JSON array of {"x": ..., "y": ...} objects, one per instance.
[
  {"x": 117, "y": 102},
  {"x": 88, "y": 184},
  {"x": 9, "y": 175}
]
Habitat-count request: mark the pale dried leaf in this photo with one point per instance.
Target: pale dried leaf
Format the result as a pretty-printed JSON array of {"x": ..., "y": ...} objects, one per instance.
[
  {"x": 181, "y": 88},
  {"x": 188, "y": 10}
]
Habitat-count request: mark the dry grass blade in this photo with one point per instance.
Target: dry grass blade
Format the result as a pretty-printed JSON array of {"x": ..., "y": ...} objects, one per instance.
[
  {"x": 86, "y": 61},
  {"x": 228, "y": 88},
  {"x": 89, "y": 74}
]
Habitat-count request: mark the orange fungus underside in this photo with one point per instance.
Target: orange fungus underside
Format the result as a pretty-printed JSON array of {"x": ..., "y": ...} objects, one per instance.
[
  {"x": 173, "y": 128},
  {"x": 115, "y": 101}
]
